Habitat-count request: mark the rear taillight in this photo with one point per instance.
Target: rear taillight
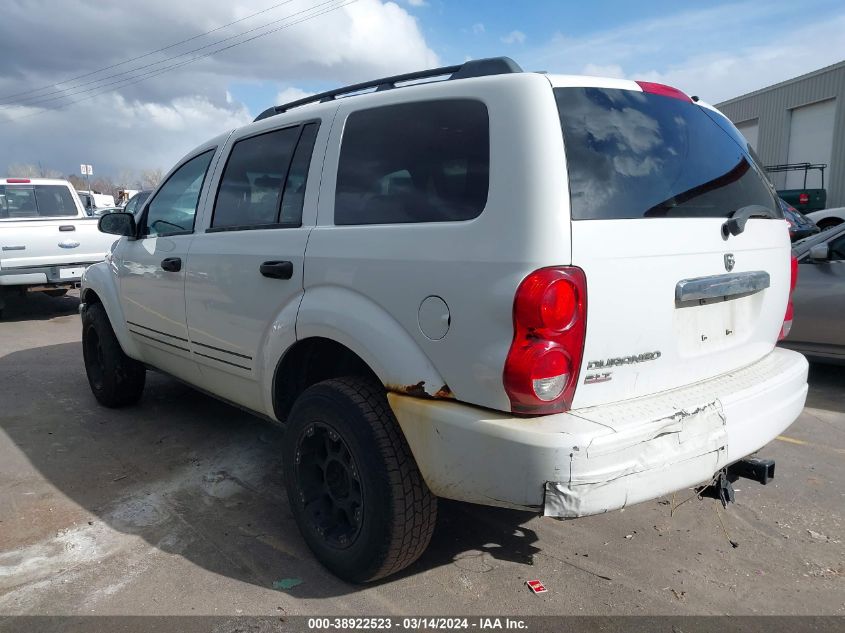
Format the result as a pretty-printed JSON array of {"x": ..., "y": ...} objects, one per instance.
[
  {"x": 17, "y": 181},
  {"x": 549, "y": 322},
  {"x": 803, "y": 198},
  {"x": 793, "y": 281},
  {"x": 662, "y": 89}
]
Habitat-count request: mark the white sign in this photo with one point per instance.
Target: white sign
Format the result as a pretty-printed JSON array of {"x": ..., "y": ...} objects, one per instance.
[
  {"x": 90, "y": 170},
  {"x": 83, "y": 170}
]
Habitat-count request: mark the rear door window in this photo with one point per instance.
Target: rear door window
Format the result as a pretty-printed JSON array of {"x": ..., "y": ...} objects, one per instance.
[
  {"x": 427, "y": 161},
  {"x": 36, "y": 201},
  {"x": 263, "y": 183},
  {"x": 638, "y": 155}
]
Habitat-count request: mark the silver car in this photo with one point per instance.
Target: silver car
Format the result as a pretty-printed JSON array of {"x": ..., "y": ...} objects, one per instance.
[{"x": 818, "y": 329}]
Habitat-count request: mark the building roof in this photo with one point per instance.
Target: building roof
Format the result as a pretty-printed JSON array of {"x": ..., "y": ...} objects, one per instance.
[{"x": 814, "y": 73}]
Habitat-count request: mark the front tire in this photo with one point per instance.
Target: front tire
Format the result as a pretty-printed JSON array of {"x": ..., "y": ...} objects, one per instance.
[
  {"x": 116, "y": 380},
  {"x": 355, "y": 490}
]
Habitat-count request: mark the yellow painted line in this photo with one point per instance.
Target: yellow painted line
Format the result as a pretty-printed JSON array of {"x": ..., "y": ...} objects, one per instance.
[{"x": 791, "y": 440}]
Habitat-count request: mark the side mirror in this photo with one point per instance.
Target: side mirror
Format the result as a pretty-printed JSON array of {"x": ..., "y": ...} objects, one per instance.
[
  {"x": 820, "y": 253},
  {"x": 117, "y": 224}
]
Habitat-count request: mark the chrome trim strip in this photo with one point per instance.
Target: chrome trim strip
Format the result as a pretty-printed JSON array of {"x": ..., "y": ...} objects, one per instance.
[{"x": 721, "y": 285}]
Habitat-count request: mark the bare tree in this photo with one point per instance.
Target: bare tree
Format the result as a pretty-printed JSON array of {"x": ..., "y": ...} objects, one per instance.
[
  {"x": 28, "y": 170},
  {"x": 151, "y": 177},
  {"x": 128, "y": 179},
  {"x": 78, "y": 182}
]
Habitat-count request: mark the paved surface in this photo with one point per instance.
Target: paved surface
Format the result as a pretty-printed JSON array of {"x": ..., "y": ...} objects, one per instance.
[{"x": 176, "y": 506}]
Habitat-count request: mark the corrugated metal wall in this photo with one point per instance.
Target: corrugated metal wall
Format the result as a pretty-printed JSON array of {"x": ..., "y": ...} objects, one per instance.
[{"x": 772, "y": 108}]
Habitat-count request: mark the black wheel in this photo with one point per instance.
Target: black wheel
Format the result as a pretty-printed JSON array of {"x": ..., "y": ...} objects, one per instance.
[
  {"x": 828, "y": 223},
  {"x": 56, "y": 292},
  {"x": 115, "y": 379},
  {"x": 354, "y": 488}
]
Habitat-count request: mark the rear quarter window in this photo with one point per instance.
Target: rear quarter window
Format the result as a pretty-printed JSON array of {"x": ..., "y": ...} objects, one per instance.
[
  {"x": 427, "y": 161},
  {"x": 637, "y": 155}
]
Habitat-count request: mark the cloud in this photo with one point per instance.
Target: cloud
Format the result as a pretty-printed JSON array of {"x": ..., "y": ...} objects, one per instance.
[
  {"x": 478, "y": 28},
  {"x": 716, "y": 52},
  {"x": 291, "y": 93},
  {"x": 514, "y": 37},
  {"x": 152, "y": 123},
  {"x": 418, "y": 3}
]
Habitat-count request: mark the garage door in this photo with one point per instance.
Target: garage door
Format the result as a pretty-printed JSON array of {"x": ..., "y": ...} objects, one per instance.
[
  {"x": 810, "y": 140},
  {"x": 749, "y": 131}
]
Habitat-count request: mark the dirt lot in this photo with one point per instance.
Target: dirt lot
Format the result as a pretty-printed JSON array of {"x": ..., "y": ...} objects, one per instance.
[{"x": 176, "y": 506}]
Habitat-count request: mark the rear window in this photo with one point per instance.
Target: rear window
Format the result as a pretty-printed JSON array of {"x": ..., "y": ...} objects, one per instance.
[
  {"x": 36, "y": 201},
  {"x": 415, "y": 162},
  {"x": 636, "y": 155}
]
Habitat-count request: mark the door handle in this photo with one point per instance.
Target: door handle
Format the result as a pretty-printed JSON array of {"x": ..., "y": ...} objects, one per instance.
[
  {"x": 277, "y": 270},
  {"x": 171, "y": 264}
]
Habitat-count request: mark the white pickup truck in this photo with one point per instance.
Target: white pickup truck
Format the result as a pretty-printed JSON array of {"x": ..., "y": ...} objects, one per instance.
[{"x": 46, "y": 239}]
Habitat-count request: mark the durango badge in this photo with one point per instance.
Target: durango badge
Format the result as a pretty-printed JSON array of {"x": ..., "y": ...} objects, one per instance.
[
  {"x": 607, "y": 376},
  {"x": 730, "y": 261}
]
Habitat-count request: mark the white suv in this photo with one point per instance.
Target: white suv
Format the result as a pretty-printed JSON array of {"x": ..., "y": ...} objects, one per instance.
[{"x": 553, "y": 293}]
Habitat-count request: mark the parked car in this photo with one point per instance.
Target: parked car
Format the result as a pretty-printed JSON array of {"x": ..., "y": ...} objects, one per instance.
[
  {"x": 92, "y": 201},
  {"x": 819, "y": 298},
  {"x": 136, "y": 202},
  {"x": 551, "y": 293},
  {"x": 800, "y": 226},
  {"x": 46, "y": 239},
  {"x": 828, "y": 217}
]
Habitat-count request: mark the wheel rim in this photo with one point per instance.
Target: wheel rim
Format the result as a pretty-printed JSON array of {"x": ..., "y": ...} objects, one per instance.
[
  {"x": 329, "y": 487},
  {"x": 94, "y": 358}
]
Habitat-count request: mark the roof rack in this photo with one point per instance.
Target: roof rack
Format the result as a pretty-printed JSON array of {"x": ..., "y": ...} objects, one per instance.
[
  {"x": 805, "y": 167},
  {"x": 472, "y": 68}
]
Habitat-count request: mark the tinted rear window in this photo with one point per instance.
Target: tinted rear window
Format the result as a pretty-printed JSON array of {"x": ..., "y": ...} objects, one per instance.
[
  {"x": 36, "y": 201},
  {"x": 415, "y": 162},
  {"x": 635, "y": 155}
]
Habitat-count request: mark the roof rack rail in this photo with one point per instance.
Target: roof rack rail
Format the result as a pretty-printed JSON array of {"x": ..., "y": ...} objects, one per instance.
[{"x": 472, "y": 68}]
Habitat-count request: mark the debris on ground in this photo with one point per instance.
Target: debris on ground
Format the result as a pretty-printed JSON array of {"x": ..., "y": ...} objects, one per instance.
[
  {"x": 818, "y": 536},
  {"x": 286, "y": 583},
  {"x": 536, "y": 586}
]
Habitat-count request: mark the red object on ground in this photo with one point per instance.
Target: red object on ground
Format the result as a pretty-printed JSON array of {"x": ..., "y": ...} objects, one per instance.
[{"x": 536, "y": 586}]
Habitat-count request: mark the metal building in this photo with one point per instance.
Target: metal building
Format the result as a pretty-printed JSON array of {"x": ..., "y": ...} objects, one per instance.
[{"x": 796, "y": 121}]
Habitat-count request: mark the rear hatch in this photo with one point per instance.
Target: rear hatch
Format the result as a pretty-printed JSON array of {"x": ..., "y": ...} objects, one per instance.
[{"x": 653, "y": 177}]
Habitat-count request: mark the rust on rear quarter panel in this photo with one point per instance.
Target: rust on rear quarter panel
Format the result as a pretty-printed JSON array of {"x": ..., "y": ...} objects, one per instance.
[{"x": 418, "y": 391}]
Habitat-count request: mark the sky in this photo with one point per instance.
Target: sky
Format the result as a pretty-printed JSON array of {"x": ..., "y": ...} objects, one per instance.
[{"x": 69, "y": 95}]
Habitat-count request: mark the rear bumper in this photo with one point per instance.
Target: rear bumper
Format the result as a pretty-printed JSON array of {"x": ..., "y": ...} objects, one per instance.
[
  {"x": 603, "y": 458},
  {"x": 39, "y": 276}
]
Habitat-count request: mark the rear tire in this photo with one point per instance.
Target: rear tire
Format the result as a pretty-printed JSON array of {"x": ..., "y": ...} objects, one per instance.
[
  {"x": 116, "y": 380},
  {"x": 828, "y": 223},
  {"x": 354, "y": 488}
]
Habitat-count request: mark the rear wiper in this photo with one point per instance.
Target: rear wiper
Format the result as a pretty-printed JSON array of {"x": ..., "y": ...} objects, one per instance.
[{"x": 736, "y": 224}]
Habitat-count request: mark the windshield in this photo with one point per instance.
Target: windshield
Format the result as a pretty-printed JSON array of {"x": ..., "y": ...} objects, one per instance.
[
  {"x": 637, "y": 155},
  {"x": 35, "y": 201}
]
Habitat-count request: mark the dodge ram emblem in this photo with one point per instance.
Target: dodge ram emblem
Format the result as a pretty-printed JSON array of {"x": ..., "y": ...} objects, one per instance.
[{"x": 730, "y": 261}]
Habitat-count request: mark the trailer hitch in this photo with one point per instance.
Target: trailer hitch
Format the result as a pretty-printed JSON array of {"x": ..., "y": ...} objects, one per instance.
[{"x": 760, "y": 470}]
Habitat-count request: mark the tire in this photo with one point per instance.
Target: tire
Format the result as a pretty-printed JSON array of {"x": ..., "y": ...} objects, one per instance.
[
  {"x": 354, "y": 488},
  {"x": 828, "y": 223},
  {"x": 116, "y": 380},
  {"x": 58, "y": 292}
]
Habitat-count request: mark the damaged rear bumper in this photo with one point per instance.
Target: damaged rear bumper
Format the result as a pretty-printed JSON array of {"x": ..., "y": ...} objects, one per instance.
[{"x": 603, "y": 458}]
